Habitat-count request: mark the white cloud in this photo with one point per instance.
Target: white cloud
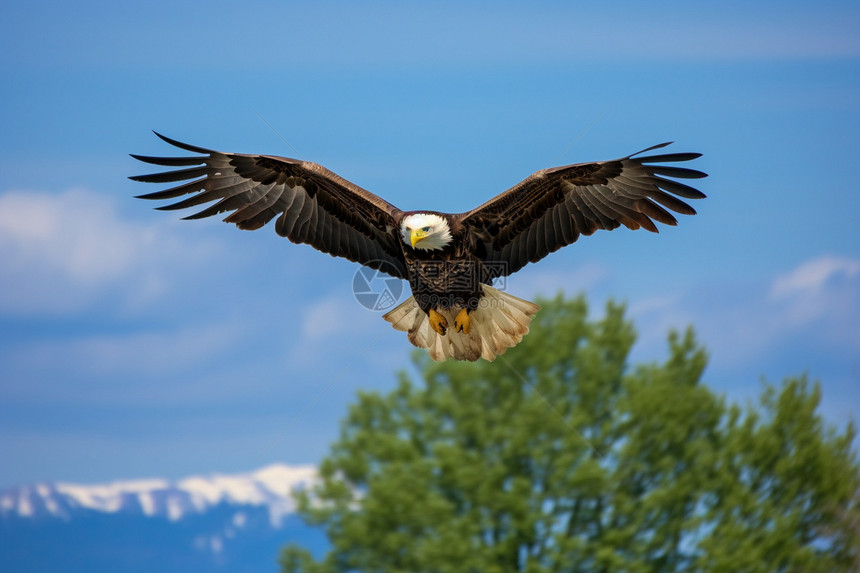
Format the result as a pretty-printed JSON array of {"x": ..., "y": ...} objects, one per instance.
[
  {"x": 824, "y": 288},
  {"x": 654, "y": 317},
  {"x": 115, "y": 357},
  {"x": 338, "y": 326},
  {"x": 62, "y": 251},
  {"x": 816, "y": 304},
  {"x": 74, "y": 233},
  {"x": 811, "y": 276},
  {"x": 337, "y": 320},
  {"x": 328, "y": 317},
  {"x": 534, "y": 281}
]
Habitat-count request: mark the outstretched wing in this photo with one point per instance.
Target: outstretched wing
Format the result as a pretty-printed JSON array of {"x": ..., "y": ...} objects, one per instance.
[
  {"x": 313, "y": 205},
  {"x": 553, "y": 207}
]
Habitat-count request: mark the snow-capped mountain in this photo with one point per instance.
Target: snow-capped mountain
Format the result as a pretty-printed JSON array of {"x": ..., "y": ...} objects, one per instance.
[
  {"x": 269, "y": 487},
  {"x": 214, "y": 522}
]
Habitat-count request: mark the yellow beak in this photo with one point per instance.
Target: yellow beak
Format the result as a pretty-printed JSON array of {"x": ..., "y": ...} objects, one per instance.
[{"x": 416, "y": 235}]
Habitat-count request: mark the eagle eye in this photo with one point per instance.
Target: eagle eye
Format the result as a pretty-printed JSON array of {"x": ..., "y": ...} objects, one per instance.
[{"x": 426, "y": 229}]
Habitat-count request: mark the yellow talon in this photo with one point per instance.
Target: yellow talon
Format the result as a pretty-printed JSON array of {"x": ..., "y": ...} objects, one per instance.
[
  {"x": 438, "y": 322},
  {"x": 462, "y": 322}
]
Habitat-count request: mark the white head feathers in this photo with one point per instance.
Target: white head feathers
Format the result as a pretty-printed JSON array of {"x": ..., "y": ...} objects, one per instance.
[{"x": 425, "y": 231}]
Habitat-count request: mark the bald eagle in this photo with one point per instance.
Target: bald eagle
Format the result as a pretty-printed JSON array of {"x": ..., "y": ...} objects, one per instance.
[{"x": 449, "y": 260}]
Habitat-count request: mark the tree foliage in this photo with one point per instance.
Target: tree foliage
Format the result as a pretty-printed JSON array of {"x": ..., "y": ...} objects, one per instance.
[{"x": 561, "y": 456}]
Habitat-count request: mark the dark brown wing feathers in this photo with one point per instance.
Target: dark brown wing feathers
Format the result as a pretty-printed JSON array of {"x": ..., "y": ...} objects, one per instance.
[
  {"x": 313, "y": 205},
  {"x": 552, "y": 207},
  {"x": 546, "y": 211}
]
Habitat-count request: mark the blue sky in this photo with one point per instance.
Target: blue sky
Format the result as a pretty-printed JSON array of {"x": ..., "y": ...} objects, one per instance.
[{"x": 133, "y": 344}]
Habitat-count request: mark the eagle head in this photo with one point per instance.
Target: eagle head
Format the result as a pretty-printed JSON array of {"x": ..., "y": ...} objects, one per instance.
[{"x": 425, "y": 231}]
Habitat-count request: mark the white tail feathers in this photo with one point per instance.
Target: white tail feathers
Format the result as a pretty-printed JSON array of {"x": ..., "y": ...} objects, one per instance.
[{"x": 500, "y": 322}]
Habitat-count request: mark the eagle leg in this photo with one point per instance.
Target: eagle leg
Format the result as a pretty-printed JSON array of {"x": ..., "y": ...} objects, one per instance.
[
  {"x": 438, "y": 322},
  {"x": 462, "y": 322}
]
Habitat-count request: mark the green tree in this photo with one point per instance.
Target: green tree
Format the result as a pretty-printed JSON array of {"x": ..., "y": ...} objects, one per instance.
[{"x": 560, "y": 456}]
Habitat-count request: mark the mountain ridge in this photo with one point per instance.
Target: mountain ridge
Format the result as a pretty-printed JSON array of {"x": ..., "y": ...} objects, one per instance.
[
  {"x": 269, "y": 486},
  {"x": 203, "y": 523}
]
